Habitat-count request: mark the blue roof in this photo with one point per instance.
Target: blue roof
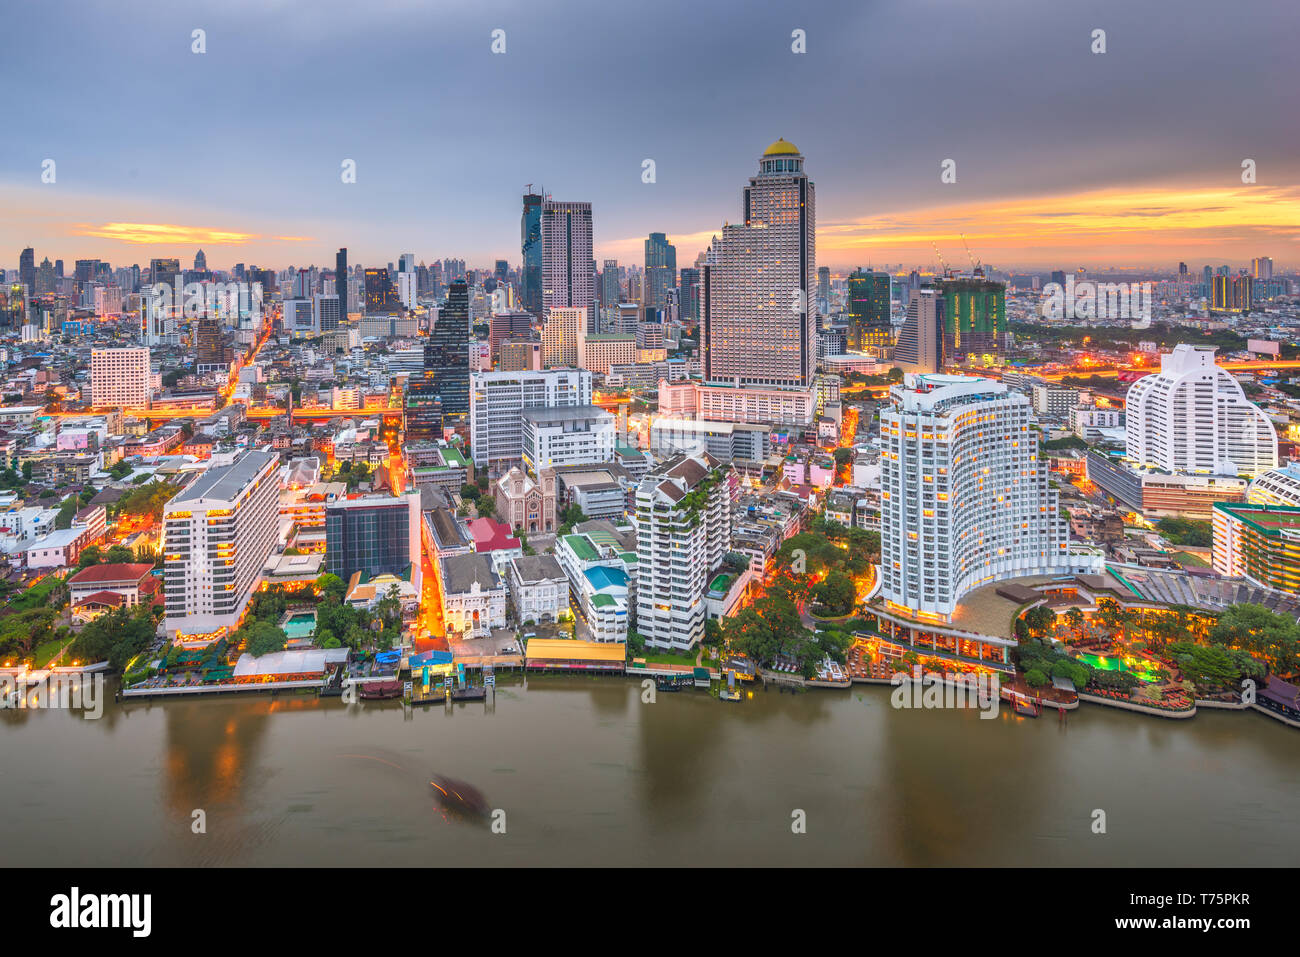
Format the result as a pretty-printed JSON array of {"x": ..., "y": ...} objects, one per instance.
[
  {"x": 602, "y": 577},
  {"x": 431, "y": 658}
]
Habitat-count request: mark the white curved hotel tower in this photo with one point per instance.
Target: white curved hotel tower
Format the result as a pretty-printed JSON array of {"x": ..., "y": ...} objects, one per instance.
[
  {"x": 965, "y": 500},
  {"x": 1192, "y": 416}
]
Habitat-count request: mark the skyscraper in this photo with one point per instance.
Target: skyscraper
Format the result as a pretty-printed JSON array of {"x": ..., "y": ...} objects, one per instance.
[
  {"x": 758, "y": 313},
  {"x": 611, "y": 290},
  {"x": 200, "y": 261},
  {"x": 869, "y": 325},
  {"x": 689, "y": 295},
  {"x": 27, "y": 269},
  {"x": 1192, "y": 416},
  {"x": 920, "y": 340},
  {"x": 567, "y": 280},
  {"x": 974, "y": 318},
  {"x": 1261, "y": 267},
  {"x": 965, "y": 500},
  {"x": 380, "y": 294},
  {"x": 341, "y": 281},
  {"x": 660, "y": 270},
  {"x": 446, "y": 356},
  {"x": 530, "y": 234}
]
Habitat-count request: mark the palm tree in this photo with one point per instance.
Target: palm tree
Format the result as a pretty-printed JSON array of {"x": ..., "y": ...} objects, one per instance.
[{"x": 1074, "y": 620}]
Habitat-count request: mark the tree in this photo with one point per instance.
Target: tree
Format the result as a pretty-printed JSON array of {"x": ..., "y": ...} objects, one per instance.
[
  {"x": 1260, "y": 632},
  {"x": 486, "y": 506},
  {"x": 835, "y": 594},
  {"x": 261, "y": 638},
  {"x": 330, "y": 585},
  {"x": 119, "y": 554},
  {"x": 90, "y": 555},
  {"x": 116, "y": 637},
  {"x": 1074, "y": 620},
  {"x": 67, "y": 512},
  {"x": 470, "y": 492},
  {"x": 389, "y": 607},
  {"x": 1040, "y": 620},
  {"x": 842, "y": 456}
]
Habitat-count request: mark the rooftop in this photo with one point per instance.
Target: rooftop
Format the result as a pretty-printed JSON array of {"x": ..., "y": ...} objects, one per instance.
[{"x": 225, "y": 482}]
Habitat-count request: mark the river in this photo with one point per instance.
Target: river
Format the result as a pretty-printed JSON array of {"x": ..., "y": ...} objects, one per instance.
[{"x": 588, "y": 774}]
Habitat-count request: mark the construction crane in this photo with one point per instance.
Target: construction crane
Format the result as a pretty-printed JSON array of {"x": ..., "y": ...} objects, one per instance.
[
  {"x": 943, "y": 265},
  {"x": 975, "y": 268}
]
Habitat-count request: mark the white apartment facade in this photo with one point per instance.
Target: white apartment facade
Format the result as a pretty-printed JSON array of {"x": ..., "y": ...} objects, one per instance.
[
  {"x": 497, "y": 401},
  {"x": 560, "y": 336},
  {"x": 964, "y": 499},
  {"x": 683, "y": 520},
  {"x": 120, "y": 377},
  {"x": 1193, "y": 416},
  {"x": 217, "y": 534},
  {"x": 577, "y": 435}
]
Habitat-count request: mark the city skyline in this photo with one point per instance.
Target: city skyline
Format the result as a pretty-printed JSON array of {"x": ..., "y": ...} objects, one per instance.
[{"x": 1045, "y": 176}]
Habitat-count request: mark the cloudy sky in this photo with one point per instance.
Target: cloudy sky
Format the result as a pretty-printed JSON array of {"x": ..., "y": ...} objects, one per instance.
[{"x": 1063, "y": 157}]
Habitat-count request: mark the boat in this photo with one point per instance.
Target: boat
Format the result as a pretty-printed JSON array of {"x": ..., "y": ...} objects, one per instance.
[
  {"x": 1026, "y": 707},
  {"x": 379, "y": 690},
  {"x": 459, "y": 798}
]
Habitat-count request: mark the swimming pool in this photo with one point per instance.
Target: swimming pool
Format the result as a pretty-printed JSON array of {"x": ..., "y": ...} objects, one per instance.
[
  {"x": 300, "y": 625},
  {"x": 1140, "y": 668}
]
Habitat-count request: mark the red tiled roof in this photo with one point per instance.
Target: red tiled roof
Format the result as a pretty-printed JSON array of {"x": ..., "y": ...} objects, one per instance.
[
  {"x": 103, "y": 598},
  {"x": 104, "y": 574},
  {"x": 491, "y": 536}
]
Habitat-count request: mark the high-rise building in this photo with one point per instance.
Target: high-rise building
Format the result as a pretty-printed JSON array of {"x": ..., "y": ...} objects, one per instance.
[
  {"x": 567, "y": 280},
  {"x": 965, "y": 500},
  {"x": 507, "y": 324},
  {"x": 209, "y": 344},
  {"x": 1232, "y": 293},
  {"x": 1260, "y": 543},
  {"x": 824, "y": 283},
  {"x": 868, "y": 313},
  {"x": 560, "y": 335},
  {"x": 325, "y": 312},
  {"x": 689, "y": 294},
  {"x": 217, "y": 534},
  {"x": 974, "y": 318},
  {"x": 758, "y": 317},
  {"x": 200, "y": 261},
  {"x": 1261, "y": 267},
  {"x": 27, "y": 269},
  {"x": 162, "y": 270},
  {"x": 683, "y": 511},
  {"x": 530, "y": 234},
  {"x": 518, "y": 355},
  {"x": 120, "y": 377},
  {"x": 660, "y": 270},
  {"x": 341, "y": 278},
  {"x": 380, "y": 294},
  {"x": 920, "y": 340},
  {"x": 497, "y": 400},
  {"x": 446, "y": 355},
  {"x": 1192, "y": 416},
  {"x": 611, "y": 289},
  {"x": 373, "y": 535}
]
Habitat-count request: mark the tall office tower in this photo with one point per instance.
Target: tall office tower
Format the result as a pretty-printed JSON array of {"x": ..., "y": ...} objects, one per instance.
[
  {"x": 501, "y": 271},
  {"x": 325, "y": 312},
  {"x": 869, "y": 323},
  {"x": 824, "y": 283},
  {"x": 530, "y": 243},
  {"x": 1261, "y": 267},
  {"x": 964, "y": 499},
  {"x": 689, "y": 294},
  {"x": 163, "y": 270},
  {"x": 406, "y": 262},
  {"x": 446, "y": 355},
  {"x": 44, "y": 278},
  {"x": 217, "y": 534},
  {"x": 508, "y": 324},
  {"x": 1182, "y": 270},
  {"x": 660, "y": 270},
  {"x": 1207, "y": 277},
  {"x": 14, "y": 313},
  {"x": 58, "y": 269},
  {"x": 758, "y": 315},
  {"x": 920, "y": 340},
  {"x": 683, "y": 511},
  {"x": 27, "y": 269},
  {"x": 560, "y": 336},
  {"x": 380, "y": 294},
  {"x": 374, "y": 535},
  {"x": 302, "y": 284},
  {"x": 297, "y": 318},
  {"x": 1058, "y": 276},
  {"x": 200, "y": 261},
  {"x": 566, "y": 257},
  {"x": 209, "y": 346},
  {"x": 407, "y": 289},
  {"x": 120, "y": 377},
  {"x": 611, "y": 290},
  {"x": 1232, "y": 294},
  {"x": 341, "y": 281},
  {"x": 974, "y": 319},
  {"x": 497, "y": 400},
  {"x": 518, "y": 355},
  {"x": 1192, "y": 416},
  {"x": 627, "y": 319}
]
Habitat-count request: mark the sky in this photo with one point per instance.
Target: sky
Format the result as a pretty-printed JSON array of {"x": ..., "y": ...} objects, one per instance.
[{"x": 1063, "y": 157}]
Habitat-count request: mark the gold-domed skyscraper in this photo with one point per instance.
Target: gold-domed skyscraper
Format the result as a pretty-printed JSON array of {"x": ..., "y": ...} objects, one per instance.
[{"x": 758, "y": 297}]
